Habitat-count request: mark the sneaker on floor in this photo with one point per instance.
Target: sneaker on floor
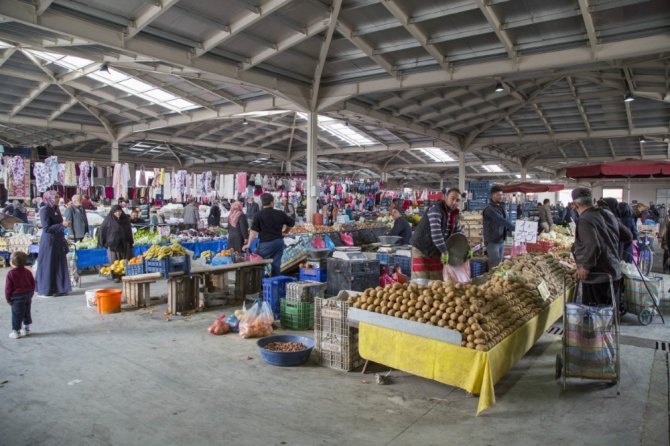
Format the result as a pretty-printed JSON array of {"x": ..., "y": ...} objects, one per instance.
[
  {"x": 26, "y": 328},
  {"x": 23, "y": 332},
  {"x": 14, "y": 334},
  {"x": 44, "y": 296}
]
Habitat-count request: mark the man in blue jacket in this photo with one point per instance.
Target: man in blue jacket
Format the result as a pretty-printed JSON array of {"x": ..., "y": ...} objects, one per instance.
[{"x": 496, "y": 227}]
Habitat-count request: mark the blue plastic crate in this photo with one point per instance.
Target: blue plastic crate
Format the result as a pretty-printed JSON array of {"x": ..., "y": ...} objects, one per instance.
[
  {"x": 384, "y": 258},
  {"x": 314, "y": 274},
  {"x": 405, "y": 264},
  {"x": 134, "y": 270},
  {"x": 169, "y": 265},
  {"x": 477, "y": 267},
  {"x": 274, "y": 289}
]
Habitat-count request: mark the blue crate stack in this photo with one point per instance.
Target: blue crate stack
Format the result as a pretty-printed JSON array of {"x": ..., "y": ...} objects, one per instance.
[
  {"x": 480, "y": 192},
  {"x": 274, "y": 290},
  {"x": 511, "y": 213}
]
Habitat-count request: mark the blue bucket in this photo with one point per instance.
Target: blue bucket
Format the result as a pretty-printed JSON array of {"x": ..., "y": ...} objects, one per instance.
[{"x": 285, "y": 359}]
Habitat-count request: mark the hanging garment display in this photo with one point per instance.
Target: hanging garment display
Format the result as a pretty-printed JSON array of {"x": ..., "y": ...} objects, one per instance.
[
  {"x": 142, "y": 178},
  {"x": 241, "y": 183},
  {"x": 120, "y": 179},
  {"x": 53, "y": 168},
  {"x": 18, "y": 181},
  {"x": 61, "y": 174},
  {"x": 179, "y": 184},
  {"x": 42, "y": 177},
  {"x": 70, "y": 178},
  {"x": 258, "y": 179},
  {"x": 229, "y": 187},
  {"x": 84, "y": 175},
  {"x": 206, "y": 183}
]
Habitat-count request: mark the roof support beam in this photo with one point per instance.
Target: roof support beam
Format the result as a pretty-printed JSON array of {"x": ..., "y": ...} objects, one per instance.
[
  {"x": 366, "y": 47},
  {"x": 580, "y": 106},
  {"x": 29, "y": 98},
  {"x": 62, "y": 109},
  {"x": 240, "y": 25},
  {"x": 583, "y": 147},
  {"x": 469, "y": 74},
  {"x": 42, "y": 6},
  {"x": 212, "y": 90},
  {"x": 569, "y": 136},
  {"x": 323, "y": 53},
  {"x": 285, "y": 44},
  {"x": 9, "y": 52},
  {"x": 609, "y": 142},
  {"x": 588, "y": 23},
  {"x": 496, "y": 24},
  {"x": 418, "y": 34},
  {"x": 149, "y": 13}
]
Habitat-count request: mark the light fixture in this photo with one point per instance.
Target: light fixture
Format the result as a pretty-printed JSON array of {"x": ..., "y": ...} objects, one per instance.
[
  {"x": 629, "y": 97},
  {"x": 642, "y": 139},
  {"x": 245, "y": 122},
  {"x": 499, "y": 87},
  {"x": 104, "y": 68}
]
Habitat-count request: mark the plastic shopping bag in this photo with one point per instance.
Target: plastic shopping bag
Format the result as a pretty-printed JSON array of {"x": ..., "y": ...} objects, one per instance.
[
  {"x": 329, "y": 242},
  {"x": 219, "y": 326},
  {"x": 456, "y": 274},
  {"x": 347, "y": 239},
  {"x": 257, "y": 321},
  {"x": 318, "y": 243}
]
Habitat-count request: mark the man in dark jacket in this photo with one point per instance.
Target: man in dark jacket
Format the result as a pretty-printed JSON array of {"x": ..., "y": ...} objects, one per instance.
[
  {"x": 496, "y": 227},
  {"x": 401, "y": 227},
  {"x": 252, "y": 208},
  {"x": 429, "y": 242},
  {"x": 596, "y": 247}
]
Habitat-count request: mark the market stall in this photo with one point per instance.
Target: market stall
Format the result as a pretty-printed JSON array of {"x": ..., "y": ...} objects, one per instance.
[{"x": 465, "y": 335}]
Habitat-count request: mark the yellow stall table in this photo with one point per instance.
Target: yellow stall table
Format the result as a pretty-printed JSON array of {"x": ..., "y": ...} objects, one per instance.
[{"x": 472, "y": 370}]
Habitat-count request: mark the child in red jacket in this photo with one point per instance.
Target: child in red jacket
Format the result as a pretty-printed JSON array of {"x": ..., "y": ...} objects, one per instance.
[{"x": 19, "y": 290}]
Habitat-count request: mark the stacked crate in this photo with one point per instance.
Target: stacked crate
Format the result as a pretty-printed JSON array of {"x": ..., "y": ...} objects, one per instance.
[
  {"x": 297, "y": 309},
  {"x": 472, "y": 224},
  {"x": 336, "y": 344},
  {"x": 478, "y": 195}
]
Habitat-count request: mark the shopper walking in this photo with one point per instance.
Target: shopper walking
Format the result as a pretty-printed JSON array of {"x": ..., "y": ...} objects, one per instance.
[
  {"x": 19, "y": 290},
  {"x": 596, "y": 247},
  {"x": 238, "y": 228},
  {"x": 252, "y": 208},
  {"x": 546, "y": 221},
  {"x": 214, "y": 217},
  {"x": 270, "y": 225},
  {"x": 191, "y": 215},
  {"x": 495, "y": 227},
  {"x": 429, "y": 242},
  {"x": 664, "y": 237},
  {"x": 75, "y": 214},
  {"x": 52, "y": 277},
  {"x": 116, "y": 235},
  {"x": 626, "y": 216},
  {"x": 287, "y": 207},
  {"x": 401, "y": 227}
]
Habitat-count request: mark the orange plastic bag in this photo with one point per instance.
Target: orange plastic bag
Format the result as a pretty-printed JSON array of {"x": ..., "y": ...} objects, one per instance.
[
  {"x": 257, "y": 321},
  {"x": 219, "y": 326}
]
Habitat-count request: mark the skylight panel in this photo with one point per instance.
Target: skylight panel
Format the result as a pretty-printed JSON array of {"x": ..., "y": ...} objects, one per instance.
[
  {"x": 341, "y": 131},
  {"x": 121, "y": 81},
  {"x": 493, "y": 168},
  {"x": 436, "y": 154}
]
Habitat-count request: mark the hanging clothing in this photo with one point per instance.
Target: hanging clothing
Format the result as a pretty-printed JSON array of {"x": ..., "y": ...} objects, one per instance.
[
  {"x": 70, "y": 177},
  {"x": 17, "y": 179},
  {"x": 241, "y": 182},
  {"x": 42, "y": 178},
  {"x": 142, "y": 180},
  {"x": 52, "y": 276},
  {"x": 84, "y": 172},
  {"x": 120, "y": 179},
  {"x": 53, "y": 168}
]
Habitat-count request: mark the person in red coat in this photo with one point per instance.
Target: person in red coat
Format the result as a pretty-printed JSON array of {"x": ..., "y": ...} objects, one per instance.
[{"x": 19, "y": 290}]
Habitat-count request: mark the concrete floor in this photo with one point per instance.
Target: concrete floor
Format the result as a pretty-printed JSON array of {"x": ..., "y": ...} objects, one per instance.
[{"x": 135, "y": 378}]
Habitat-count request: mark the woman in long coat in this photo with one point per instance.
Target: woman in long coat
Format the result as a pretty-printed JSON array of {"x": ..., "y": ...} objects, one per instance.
[
  {"x": 116, "y": 235},
  {"x": 238, "y": 228},
  {"x": 52, "y": 277}
]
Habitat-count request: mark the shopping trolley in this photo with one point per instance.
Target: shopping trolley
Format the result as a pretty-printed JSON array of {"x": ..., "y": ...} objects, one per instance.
[
  {"x": 75, "y": 278},
  {"x": 590, "y": 336},
  {"x": 642, "y": 296}
]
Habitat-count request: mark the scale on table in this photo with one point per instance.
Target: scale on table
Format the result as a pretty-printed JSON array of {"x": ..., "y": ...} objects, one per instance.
[{"x": 351, "y": 253}]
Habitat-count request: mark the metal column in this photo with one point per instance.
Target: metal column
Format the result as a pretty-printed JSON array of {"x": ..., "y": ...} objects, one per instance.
[
  {"x": 115, "y": 152},
  {"x": 312, "y": 147},
  {"x": 461, "y": 171}
]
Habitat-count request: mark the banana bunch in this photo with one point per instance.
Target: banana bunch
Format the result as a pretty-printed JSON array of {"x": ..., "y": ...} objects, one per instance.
[
  {"x": 118, "y": 268},
  {"x": 160, "y": 252}
]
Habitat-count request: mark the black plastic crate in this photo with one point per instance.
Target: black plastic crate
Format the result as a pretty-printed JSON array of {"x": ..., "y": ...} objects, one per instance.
[{"x": 351, "y": 275}]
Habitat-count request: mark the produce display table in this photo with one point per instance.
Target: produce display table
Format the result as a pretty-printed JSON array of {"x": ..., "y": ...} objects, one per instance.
[
  {"x": 248, "y": 278},
  {"x": 471, "y": 370},
  {"x": 89, "y": 258}
]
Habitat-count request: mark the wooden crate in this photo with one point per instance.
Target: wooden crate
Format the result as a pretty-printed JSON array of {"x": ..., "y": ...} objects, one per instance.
[
  {"x": 136, "y": 289},
  {"x": 249, "y": 282},
  {"x": 183, "y": 294}
]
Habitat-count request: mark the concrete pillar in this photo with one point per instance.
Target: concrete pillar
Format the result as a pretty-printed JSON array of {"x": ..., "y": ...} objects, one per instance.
[
  {"x": 312, "y": 147},
  {"x": 115, "y": 152},
  {"x": 461, "y": 171},
  {"x": 288, "y": 167},
  {"x": 441, "y": 183},
  {"x": 524, "y": 173}
]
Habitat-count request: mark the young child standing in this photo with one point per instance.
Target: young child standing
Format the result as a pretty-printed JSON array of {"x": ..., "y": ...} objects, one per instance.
[{"x": 19, "y": 290}]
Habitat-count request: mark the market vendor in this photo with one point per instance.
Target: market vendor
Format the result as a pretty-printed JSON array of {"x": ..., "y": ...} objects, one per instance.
[
  {"x": 429, "y": 242},
  {"x": 496, "y": 227},
  {"x": 87, "y": 204},
  {"x": 270, "y": 225},
  {"x": 596, "y": 247},
  {"x": 401, "y": 227}
]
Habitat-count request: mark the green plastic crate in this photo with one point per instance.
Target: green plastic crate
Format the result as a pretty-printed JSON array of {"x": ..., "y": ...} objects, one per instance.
[{"x": 297, "y": 315}]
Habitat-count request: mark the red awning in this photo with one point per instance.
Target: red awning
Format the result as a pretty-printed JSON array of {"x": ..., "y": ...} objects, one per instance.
[
  {"x": 627, "y": 168},
  {"x": 529, "y": 188}
]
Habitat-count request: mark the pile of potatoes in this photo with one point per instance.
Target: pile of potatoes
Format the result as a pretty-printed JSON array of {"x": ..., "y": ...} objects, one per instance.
[
  {"x": 535, "y": 268},
  {"x": 484, "y": 314}
]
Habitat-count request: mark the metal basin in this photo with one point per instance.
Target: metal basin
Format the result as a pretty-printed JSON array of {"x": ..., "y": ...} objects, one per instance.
[
  {"x": 389, "y": 239},
  {"x": 318, "y": 254}
]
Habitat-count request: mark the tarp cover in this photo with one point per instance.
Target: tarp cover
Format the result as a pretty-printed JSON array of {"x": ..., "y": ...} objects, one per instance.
[
  {"x": 626, "y": 168},
  {"x": 529, "y": 188}
]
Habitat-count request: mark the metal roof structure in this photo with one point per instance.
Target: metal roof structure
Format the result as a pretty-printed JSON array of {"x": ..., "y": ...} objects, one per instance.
[{"x": 520, "y": 84}]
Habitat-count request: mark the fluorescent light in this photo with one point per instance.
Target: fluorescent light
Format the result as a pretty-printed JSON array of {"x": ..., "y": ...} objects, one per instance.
[
  {"x": 518, "y": 176},
  {"x": 260, "y": 114},
  {"x": 545, "y": 181},
  {"x": 629, "y": 97},
  {"x": 499, "y": 87},
  {"x": 493, "y": 168},
  {"x": 436, "y": 154},
  {"x": 245, "y": 122},
  {"x": 643, "y": 139}
]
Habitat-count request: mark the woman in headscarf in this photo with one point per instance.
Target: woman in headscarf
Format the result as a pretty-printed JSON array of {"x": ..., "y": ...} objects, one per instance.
[
  {"x": 238, "y": 227},
  {"x": 214, "y": 217},
  {"x": 52, "y": 277},
  {"x": 613, "y": 205},
  {"x": 116, "y": 235},
  {"x": 75, "y": 214},
  {"x": 626, "y": 215}
]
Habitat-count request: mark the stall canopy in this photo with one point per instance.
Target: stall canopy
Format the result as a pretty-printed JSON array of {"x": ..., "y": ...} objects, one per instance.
[
  {"x": 530, "y": 188},
  {"x": 627, "y": 168}
]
